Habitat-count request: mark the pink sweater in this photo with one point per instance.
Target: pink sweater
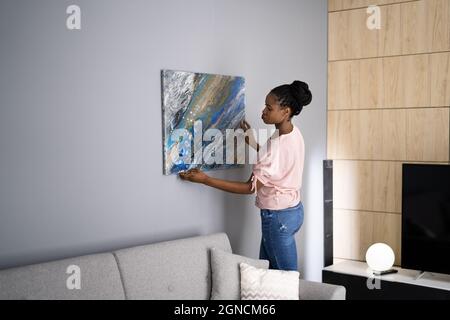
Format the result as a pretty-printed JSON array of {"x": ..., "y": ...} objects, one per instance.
[{"x": 280, "y": 169}]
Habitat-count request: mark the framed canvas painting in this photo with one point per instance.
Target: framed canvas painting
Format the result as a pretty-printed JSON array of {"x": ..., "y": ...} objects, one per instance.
[{"x": 199, "y": 111}]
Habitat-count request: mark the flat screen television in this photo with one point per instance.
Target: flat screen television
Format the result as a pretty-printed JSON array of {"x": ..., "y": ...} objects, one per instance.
[{"x": 426, "y": 217}]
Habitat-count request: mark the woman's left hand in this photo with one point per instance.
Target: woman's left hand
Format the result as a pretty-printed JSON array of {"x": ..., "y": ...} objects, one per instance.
[{"x": 194, "y": 175}]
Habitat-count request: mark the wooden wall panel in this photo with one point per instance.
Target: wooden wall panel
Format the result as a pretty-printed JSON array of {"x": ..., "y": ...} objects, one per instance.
[
  {"x": 411, "y": 27},
  {"x": 415, "y": 79},
  {"x": 387, "y": 228},
  {"x": 371, "y": 83},
  {"x": 343, "y": 85},
  {"x": 349, "y": 36},
  {"x": 391, "y": 82},
  {"x": 415, "y": 27},
  {"x": 350, "y": 84},
  {"x": 338, "y": 260},
  {"x": 334, "y": 5},
  {"x": 390, "y": 34},
  {"x": 367, "y": 134},
  {"x": 439, "y": 25},
  {"x": 440, "y": 79},
  {"x": 340, "y": 140},
  {"x": 428, "y": 134},
  {"x": 367, "y": 185},
  {"x": 339, "y": 42},
  {"x": 398, "y": 134},
  {"x": 355, "y": 231}
]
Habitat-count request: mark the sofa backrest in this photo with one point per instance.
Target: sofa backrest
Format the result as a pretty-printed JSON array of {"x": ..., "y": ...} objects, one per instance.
[
  {"x": 172, "y": 270},
  {"x": 99, "y": 279}
]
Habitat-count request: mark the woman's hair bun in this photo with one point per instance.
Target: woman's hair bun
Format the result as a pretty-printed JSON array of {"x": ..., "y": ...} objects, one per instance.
[
  {"x": 295, "y": 96},
  {"x": 300, "y": 91}
]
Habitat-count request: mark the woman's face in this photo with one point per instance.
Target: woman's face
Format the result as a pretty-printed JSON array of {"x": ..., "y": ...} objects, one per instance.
[{"x": 273, "y": 113}]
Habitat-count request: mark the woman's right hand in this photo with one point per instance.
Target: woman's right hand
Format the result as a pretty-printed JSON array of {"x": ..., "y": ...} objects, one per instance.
[
  {"x": 244, "y": 125},
  {"x": 249, "y": 137}
]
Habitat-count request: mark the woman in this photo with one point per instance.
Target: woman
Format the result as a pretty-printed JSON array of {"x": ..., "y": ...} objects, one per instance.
[{"x": 276, "y": 177}]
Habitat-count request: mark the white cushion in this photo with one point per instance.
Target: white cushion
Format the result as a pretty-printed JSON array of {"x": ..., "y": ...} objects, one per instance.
[{"x": 262, "y": 284}]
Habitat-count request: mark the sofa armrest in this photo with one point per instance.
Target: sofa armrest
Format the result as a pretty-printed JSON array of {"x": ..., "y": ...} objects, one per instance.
[{"x": 310, "y": 290}]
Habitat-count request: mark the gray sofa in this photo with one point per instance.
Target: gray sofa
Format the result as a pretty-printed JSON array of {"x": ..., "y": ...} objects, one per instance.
[{"x": 172, "y": 270}]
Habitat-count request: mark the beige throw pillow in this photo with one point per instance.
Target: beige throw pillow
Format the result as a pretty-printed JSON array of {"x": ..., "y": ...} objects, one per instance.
[{"x": 262, "y": 284}]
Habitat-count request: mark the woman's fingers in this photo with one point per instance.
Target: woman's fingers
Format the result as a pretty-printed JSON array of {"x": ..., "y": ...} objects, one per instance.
[
  {"x": 186, "y": 175},
  {"x": 244, "y": 125}
]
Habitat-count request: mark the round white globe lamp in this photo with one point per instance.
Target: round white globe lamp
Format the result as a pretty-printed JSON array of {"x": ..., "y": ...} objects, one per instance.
[{"x": 380, "y": 258}]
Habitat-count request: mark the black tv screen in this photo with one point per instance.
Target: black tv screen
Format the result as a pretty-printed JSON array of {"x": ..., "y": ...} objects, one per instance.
[{"x": 426, "y": 217}]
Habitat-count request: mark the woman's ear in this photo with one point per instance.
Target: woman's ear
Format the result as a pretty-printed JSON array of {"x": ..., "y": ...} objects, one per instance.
[{"x": 287, "y": 113}]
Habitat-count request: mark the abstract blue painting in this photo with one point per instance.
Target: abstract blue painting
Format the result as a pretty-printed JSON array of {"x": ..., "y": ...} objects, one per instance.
[{"x": 197, "y": 110}]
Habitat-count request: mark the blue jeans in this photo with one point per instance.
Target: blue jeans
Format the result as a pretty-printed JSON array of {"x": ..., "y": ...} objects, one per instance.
[{"x": 278, "y": 242}]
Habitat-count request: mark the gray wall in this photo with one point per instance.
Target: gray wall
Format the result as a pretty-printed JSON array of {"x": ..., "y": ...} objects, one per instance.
[{"x": 80, "y": 120}]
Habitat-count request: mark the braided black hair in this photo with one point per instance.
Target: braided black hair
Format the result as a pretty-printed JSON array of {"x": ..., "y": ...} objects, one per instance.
[{"x": 295, "y": 96}]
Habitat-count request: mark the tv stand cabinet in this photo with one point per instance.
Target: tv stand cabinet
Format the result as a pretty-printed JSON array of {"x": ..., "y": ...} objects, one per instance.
[{"x": 361, "y": 284}]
